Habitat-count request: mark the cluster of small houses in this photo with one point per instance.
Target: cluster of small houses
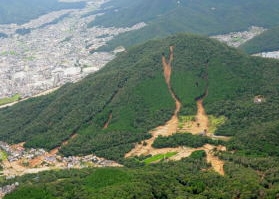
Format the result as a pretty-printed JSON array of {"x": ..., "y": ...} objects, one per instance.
[
  {"x": 20, "y": 153},
  {"x": 7, "y": 189}
]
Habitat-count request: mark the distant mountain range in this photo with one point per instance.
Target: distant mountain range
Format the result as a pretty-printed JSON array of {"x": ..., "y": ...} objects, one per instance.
[
  {"x": 165, "y": 17},
  {"x": 19, "y": 12}
]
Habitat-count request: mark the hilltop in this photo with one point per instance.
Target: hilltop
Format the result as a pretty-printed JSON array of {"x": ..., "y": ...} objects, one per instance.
[{"x": 126, "y": 106}]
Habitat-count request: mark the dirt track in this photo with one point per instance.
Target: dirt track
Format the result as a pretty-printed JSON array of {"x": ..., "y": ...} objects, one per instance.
[{"x": 108, "y": 121}]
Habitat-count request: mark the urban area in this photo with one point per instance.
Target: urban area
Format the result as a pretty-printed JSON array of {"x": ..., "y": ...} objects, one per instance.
[{"x": 53, "y": 49}]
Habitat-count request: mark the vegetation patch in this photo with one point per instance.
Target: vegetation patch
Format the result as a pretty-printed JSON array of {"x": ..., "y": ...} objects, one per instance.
[
  {"x": 185, "y": 119},
  {"x": 3, "y": 155},
  {"x": 105, "y": 177},
  {"x": 199, "y": 154},
  {"x": 8, "y": 100},
  {"x": 215, "y": 122},
  {"x": 159, "y": 157}
]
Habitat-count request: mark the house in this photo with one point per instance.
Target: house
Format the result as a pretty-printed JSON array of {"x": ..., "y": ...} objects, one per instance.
[{"x": 259, "y": 99}]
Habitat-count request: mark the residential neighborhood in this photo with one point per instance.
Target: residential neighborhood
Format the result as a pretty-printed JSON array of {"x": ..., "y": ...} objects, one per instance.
[
  {"x": 235, "y": 39},
  {"x": 52, "y": 50},
  {"x": 19, "y": 161}
]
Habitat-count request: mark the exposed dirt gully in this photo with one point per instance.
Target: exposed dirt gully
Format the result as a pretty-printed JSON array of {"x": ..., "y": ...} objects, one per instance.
[
  {"x": 106, "y": 125},
  {"x": 171, "y": 127}
]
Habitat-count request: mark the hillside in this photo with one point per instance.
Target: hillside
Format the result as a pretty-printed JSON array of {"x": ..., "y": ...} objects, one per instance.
[
  {"x": 122, "y": 106},
  {"x": 266, "y": 42},
  {"x": 167, "y": 17},
  {"x": 19, "y": 12},
  {"x": 137, "y": 99}
]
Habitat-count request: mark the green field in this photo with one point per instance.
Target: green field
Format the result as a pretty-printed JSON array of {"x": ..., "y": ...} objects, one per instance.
[
  {"x": 3, "y": 155},
  {"x": 8, "y": 100},
  {"x": 159, "y": 157},
  {"x": 215, "y": 122}
]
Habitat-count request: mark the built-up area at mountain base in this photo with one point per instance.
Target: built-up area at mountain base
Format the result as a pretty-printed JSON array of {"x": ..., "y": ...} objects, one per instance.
[{"x": 184, "y": 116}]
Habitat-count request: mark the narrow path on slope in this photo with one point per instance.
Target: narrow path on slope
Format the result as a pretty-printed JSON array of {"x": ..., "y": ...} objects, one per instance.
[
  {"x": 108, "y": 121},
  {"x": 170, "y": 127}
]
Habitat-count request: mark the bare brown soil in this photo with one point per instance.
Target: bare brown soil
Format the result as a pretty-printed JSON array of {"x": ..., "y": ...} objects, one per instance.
[
  {"x": 201, "y": 123},
  {"x": 108, "y": 121}
]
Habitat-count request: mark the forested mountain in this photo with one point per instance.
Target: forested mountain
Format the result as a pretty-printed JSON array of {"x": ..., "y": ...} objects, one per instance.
[
  {"x": 265, "y": 42},
  {"x": 165, "y": 17},
  {"x": 132, "y": 94},
  {"x": 14, "y": 11},
  {"x": 132, "y": 89}
]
